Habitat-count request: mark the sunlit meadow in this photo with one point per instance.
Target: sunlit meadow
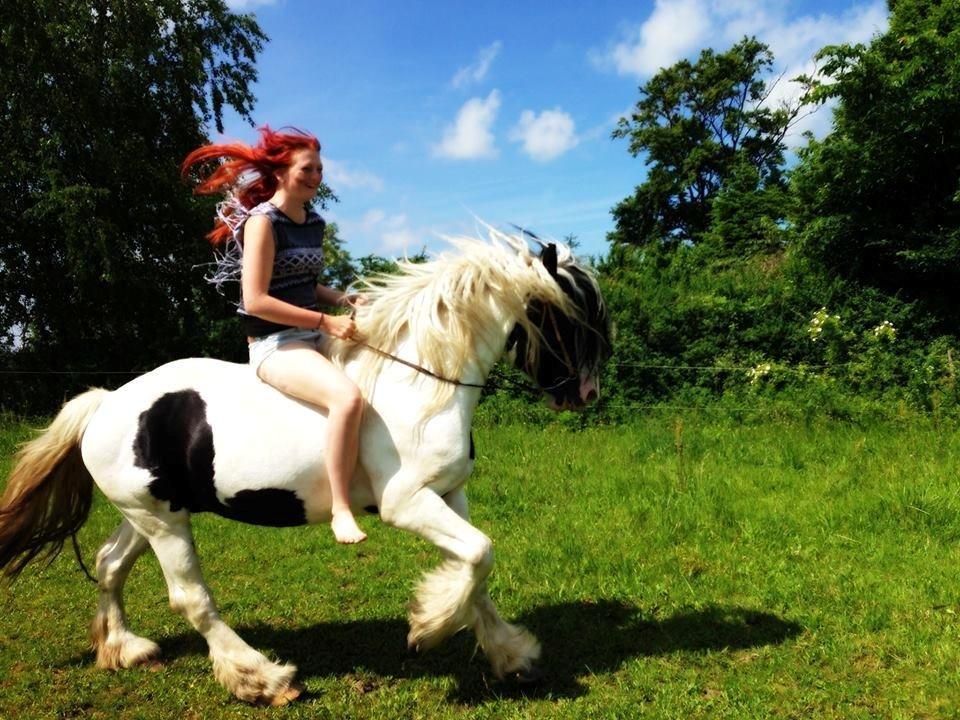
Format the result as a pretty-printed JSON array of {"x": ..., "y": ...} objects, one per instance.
[{"x": 679, "y": 566}]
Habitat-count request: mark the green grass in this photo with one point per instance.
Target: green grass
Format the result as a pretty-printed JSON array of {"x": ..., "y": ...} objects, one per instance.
[{"x": 677, "y": 569}]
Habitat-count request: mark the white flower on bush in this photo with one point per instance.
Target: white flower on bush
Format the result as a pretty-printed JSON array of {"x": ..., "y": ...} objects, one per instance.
[
  {"x": 758, "y": 372},
  {"x": 821, "y": 320},
  {"x": 885, "y": 331}
]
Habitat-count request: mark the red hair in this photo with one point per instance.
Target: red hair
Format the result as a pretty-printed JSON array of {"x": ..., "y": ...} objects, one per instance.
[{"x": 247, "y": 171}]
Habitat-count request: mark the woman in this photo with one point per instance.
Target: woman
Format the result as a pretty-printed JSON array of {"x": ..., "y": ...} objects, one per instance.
[{"x": 276, "y": 242}]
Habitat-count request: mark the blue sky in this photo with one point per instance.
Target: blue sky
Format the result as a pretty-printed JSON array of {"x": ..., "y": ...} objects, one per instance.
[{"x": 432, "y": 114}]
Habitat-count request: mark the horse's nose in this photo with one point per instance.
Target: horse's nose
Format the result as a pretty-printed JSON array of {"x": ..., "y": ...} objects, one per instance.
[{"x": 589, "y": 389}]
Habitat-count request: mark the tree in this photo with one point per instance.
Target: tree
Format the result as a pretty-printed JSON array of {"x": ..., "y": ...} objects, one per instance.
[
  {"x": 878, "y": 200},
  {"x": 102, "y": 240},
  {"x": 696, "y": 123},
  {"x": 746, "y": 215}
]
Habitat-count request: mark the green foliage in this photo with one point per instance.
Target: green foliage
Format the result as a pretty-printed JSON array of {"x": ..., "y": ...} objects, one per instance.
[
  {"x": 102, "y": 247},
  {"x": 834, "y": 291},
  {"x": 338, "y": 266},
  {"x": 877, "y": 200},
  {"x": 746, "y": 216},
  {"x": 693, "y": 318},
  {"x": 842, "y": 286},
  {"x": 693, "y": 324},
  {"x": 698, "y": 124}
]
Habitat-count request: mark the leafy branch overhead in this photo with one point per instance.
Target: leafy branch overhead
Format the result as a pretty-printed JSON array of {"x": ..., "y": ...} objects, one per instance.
[
  {"x": 102, "y": 239},
  {"x": 722, "y": 258},
  {"x": 694, "y": 125}
]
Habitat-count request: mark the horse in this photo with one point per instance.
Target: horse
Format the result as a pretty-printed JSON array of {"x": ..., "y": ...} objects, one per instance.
[{"x": 201, "y": 435}]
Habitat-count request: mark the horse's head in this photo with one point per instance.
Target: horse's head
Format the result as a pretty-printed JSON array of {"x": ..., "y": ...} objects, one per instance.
[{"x": 572, "y": 347}]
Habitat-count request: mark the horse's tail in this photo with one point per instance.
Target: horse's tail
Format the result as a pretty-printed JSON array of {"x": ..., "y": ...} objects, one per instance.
[{"x": 49, "y": 492}]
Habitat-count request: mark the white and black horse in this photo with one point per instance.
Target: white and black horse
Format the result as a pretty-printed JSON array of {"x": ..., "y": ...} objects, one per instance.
[{"x": 201, "y": 435}]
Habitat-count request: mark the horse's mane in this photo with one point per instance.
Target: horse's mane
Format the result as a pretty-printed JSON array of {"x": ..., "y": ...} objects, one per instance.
[{"x": 446, "y": 305}]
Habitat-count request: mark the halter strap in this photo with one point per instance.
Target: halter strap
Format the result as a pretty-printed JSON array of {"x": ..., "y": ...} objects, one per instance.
[{"x": 563, "y": 345}]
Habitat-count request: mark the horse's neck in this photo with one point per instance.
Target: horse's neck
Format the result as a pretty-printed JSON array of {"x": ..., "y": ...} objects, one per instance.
[
  {"x": 393, "y": 385},
  {"x": 488, "y": 346}
]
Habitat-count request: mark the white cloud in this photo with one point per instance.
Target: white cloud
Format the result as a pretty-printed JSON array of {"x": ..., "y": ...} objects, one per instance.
[
  {"x": 402, "y": 240},
  {"x": 244, "y": 5},
  {"x": 376, "y": 231},
  {"x": 674, "y": 29},
  {"x": 477, "y": 71},
  {"x": 341, "y": 175},
  {"x": 794, "y": 43},
  {"x": 681, "y": 28},
  {"x": 469, "y": 137},
  {"x": 545, "y": 136},
  {"x": 374, "y": 217}
]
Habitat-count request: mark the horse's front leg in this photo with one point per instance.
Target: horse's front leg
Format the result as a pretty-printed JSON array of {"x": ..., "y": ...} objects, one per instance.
[
  {"x": 450, "y": 597},
  {"x": 444, "y": 598},
  {"x": 510, "y": 648}
]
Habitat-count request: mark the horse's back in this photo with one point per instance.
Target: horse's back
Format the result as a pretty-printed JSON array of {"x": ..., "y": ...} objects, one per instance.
[{"x": 208, "y": 435}]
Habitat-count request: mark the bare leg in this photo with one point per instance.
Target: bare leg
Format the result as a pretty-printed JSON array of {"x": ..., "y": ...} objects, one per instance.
[
  {"x": 342, "y": 442},
  {"x": 302, "y": 372}
]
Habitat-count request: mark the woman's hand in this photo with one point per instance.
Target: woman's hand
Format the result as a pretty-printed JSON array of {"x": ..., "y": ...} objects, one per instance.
[
  {"x": 353, "y": 299},
  {"x": 339, "y": 326}
]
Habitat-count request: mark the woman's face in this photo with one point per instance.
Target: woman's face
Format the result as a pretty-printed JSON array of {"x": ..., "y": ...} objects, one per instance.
[{"x": 302, "y": 178}]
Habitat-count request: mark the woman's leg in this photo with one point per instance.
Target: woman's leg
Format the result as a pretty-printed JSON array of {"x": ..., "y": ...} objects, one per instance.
[{"x": 299, "y": 370}]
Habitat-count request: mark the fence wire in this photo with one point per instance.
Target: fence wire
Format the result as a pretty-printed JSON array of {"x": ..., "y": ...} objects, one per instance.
[{"x": 635, "y": 366}]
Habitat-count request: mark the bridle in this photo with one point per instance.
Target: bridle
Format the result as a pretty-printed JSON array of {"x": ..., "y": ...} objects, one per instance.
[{"x": 563, "y": 347}]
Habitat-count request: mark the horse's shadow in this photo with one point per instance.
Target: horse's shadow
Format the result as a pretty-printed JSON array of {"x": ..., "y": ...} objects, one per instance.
[{"x": 578, "y": 638}]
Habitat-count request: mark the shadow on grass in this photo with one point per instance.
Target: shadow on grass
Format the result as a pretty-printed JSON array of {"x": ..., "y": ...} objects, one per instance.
[{"x": 578, "y": 638}]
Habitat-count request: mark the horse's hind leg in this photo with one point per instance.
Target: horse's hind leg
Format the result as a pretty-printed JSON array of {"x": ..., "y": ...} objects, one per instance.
[
  {"x": 237, "y": 666},
  {"x": 116, "y": 646}
]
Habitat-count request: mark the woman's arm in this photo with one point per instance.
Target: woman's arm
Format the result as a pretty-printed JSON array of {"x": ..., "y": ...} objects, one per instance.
[
  {"x": 329, "y": 296},
  {"x": 257, "y": 268}
]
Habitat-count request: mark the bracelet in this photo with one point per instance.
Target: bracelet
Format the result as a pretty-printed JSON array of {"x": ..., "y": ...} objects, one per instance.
[{"x": 320, "y": 321}]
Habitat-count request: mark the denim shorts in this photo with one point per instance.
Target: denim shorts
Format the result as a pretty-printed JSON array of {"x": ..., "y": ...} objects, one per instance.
[{"x": 263, "y": 347}]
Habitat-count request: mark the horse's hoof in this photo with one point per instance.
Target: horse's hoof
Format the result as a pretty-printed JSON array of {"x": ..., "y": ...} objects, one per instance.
[
  {"x": 149, "y": 661},
  {"x": 525, "y": 678},
  {"x": 293, "y": 691}
]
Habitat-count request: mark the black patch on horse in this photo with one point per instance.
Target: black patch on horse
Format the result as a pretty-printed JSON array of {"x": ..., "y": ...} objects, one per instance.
[{"x": 175, "y": 443}]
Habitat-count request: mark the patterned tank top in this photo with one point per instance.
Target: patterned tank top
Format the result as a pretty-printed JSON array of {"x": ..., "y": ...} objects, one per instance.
[{"x": 298, "y": 261}]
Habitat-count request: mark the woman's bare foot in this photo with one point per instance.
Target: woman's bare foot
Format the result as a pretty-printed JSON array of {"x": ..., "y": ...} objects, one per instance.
[{"x": 345, "y": 528}]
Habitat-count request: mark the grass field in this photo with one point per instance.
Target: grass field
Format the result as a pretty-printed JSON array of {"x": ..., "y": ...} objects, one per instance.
[{"x": 675, "y": 568}]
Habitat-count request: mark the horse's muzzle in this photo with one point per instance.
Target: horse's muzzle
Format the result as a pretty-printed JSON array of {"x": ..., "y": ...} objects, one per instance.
[{"x": 588, "y": 392}]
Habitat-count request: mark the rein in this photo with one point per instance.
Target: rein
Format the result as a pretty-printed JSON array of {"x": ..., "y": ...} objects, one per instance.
[
  {"x": 414, "y": 366},
  {"x": 527, "y": 387}
]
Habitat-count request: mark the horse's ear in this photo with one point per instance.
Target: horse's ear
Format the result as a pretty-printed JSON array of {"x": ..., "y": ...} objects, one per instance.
[{"x": 549, "y": 259}]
